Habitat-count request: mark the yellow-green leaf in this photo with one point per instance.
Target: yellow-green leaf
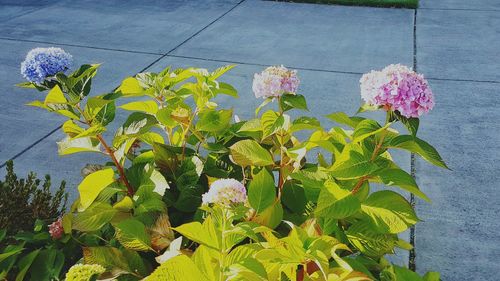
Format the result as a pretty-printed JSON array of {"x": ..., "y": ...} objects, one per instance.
[{"x": 92, "y": 185}]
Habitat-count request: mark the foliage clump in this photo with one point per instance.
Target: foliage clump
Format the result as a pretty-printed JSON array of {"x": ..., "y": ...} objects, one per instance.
[
  {"x": 192, "y": 192},
  {"x": 23, "y": 201}
]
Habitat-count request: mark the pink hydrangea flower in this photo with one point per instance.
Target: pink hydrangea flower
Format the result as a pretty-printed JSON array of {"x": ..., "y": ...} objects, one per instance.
[
  {"x": 275, "y": 81},
  {"x": 225, "y": 192},
  {"x": 56, "y": 229},
  {"x": 397, "y": 88}
]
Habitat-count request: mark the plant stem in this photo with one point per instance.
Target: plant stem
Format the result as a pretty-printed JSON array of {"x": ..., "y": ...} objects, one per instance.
[
  {"x": 119, "y": 167},
  {"x": 111, "y": 154},
  {"x": 359, "y": 184}
]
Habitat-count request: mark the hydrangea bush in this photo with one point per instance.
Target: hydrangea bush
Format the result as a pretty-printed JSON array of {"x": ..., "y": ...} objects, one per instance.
[{"x": 189, "y": 194}]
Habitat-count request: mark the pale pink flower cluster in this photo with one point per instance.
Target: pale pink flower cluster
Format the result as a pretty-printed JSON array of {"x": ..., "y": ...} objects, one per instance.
[
  {"x": 397, "y": 88},
  {"x": 56, "y": 229},
  {"x": 275, "y": 81},
  {"x": 225, "y": 192}
]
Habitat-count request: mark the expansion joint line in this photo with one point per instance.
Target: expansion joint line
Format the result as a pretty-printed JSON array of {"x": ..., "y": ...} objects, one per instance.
[{"x": 412, "y": 254}]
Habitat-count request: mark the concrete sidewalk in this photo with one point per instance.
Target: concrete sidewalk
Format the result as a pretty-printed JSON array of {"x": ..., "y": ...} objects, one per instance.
[{"x": 454, "y": 43}]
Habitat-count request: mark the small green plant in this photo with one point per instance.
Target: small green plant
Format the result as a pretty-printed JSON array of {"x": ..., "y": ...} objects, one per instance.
[
  {"x": 23, "y": 201},
  {"x": 270, "y": 198}
]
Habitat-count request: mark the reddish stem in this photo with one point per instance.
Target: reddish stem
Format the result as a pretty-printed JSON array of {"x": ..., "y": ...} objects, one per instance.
[{"x": 119, "y": 167}]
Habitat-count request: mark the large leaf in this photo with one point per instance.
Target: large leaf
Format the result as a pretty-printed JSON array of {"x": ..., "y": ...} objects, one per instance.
[
  {"x": 398, "y": 177},
  {"x": 24, "y": 264},
  {"x": 132, "y": 235},
  {"x": 389, "y": 211},
  {"x": 294, "y": 197},
  {"x": 92, "y": 185},
  {"x": 47, "y": 265},
  {"x": 130, "y": 87},
  {"x": 250, "y": 153},
  {"x": 356, "y": 166},
  {"x": 179, "y": 268},
  {"x": 261, "y": 191},
  {"x": 312, "y": 181},
  {"x": 221, "y": 70},
  {"x": 69, "y": 146},
  {"x": 94, "y": 217},
  {"x": 420, "y": 147},
  {"x": 272, "y": 122},
  {"x": 290, "y": 101},
  {"x": 109, "y": 257},
  {"x": 270, "y": 217},
  {"x": 344, "y": 119},
  {"x": 148, "y": 106},
  {"x": 202, "y": 234},
  {"x": 370, "y": 242},
  {"x": 305, "y": 123},
  {"x": 214, "y": 120},
  {"x": 367, "y": 128},
  {"x": 336, "y": 202}
]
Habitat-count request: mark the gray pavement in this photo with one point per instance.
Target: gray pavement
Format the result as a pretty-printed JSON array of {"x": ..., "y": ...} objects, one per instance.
[{"x": 457, "y": 47}]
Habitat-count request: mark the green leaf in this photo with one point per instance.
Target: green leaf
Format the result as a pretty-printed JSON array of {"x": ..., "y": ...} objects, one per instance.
[
  {"x": 131, "y": 233},
  {"x": 270, "y": 217},
  {"x": 250, "y": 153},
  {"x": 305, "y": 123},
  {"x": 410, "y": 123},
  {"x": 130, "y": 87},
  {"x": 242, "y": 252},
  {"x": 356, "y": 166},
  {"x": 137, "y": 123},
  {"x": 290, "y": 101},
  {"x": 70, "y": 146},
  {"x": 55, "y": 96},
  {"x": 199, "y": 233},
  {"x": 221, "y": 70},
  {"x": 179, "y": 268},
  {"x": 432, "y": 276},
  {"x": 420, "y": 147},
  {"x": 261, "y": 191},
  {"x": 336, "y": 202},
  {"x": 149, "y": 106},
  {"x": 272, "y": 122},
  {"x": 91, "y": 132},
  {"x": 214, "y": 120},
  {"x": 389, "y": 211},
  {"x": 312, "y": 181},
  {"x": 344, "y": 119},
  {"x": 264, "y": 103},
  {"x": 27, "y": 85},
  {"x": 24, "y": 264},
  {"x": 10, "y": 253},
  {"x": 248, "y": 270},
  {"x": 227, "y": 89},
  {"x": 294, "y": 197},
  {"x": 92, "y": 185},
  {"x": 371, "y": 243},
  {"x": 367, "y": 128},
  {"x": 94, "y": 217},
  {"x": 398, "y": 177},
  {"x": 47, "y": 265},
  {"x": 109, "y": 257}
]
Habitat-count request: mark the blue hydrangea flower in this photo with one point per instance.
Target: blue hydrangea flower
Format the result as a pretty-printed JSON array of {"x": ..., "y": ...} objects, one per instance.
[{"x": 44, "y": 62}]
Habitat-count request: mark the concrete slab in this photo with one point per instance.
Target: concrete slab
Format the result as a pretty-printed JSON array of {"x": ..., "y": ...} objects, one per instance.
[
  {"x": 459, "y": 4},
  {"x": 149, "y": 26},
  {"x": 352, "y": 39},
  {"x": 13, "y": 8},
  {"x": 459, "y": 232},
  {"x": 22, "y": 125},
  {"x": 459, "y": 44}
]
